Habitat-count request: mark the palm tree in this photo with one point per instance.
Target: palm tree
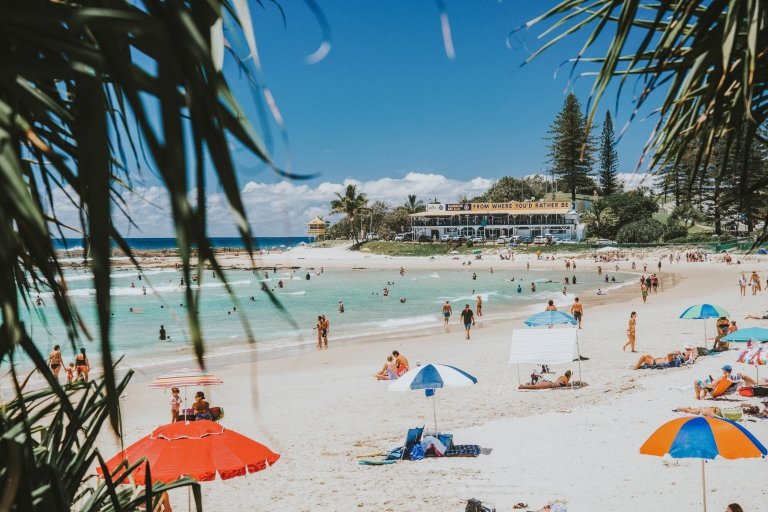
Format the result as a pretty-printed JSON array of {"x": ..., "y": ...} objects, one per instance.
[
  {"x": 599, "y": 217},
  {"x": 352, "y": 205},
  {"x": 412, "y": 205},
  {"x": 93, "y": 93},
  {"x": 705, "y": 59}
]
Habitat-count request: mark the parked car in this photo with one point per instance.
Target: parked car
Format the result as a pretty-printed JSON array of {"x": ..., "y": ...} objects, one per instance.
[
  {"x": 568, "y": 241},
  {"x": 404, "y": 237},
  {"x": 526, "y": 240},
  {"x": 540, "y": 240},
  {"x": 501, "y": 240},
  {"x": 604, "y": 241},
  {"x": 446, "y": 238},
  {"x": 515, "y": 240},
  {"x": 477, "y": 240},
  {"x": 372, "y": 236}
]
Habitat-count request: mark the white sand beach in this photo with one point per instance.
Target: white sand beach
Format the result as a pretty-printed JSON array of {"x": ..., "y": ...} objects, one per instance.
[{"x": 320, "y": 409}]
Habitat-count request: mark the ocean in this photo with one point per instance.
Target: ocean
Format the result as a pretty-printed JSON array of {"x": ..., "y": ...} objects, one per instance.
[
  {"x": 367, "y": 311},
  {"x": 266, "y": 242}
]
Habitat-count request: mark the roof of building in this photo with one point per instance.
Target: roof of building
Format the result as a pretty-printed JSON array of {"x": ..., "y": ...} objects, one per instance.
[
  {"x": 538, "y": 211},
  {"x": 317, "y": 220}
]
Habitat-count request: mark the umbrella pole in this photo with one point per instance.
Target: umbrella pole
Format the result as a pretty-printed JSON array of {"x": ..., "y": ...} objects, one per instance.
[
  {"x": 434, "y": 412},
  {"x": 703, "y": 485}
]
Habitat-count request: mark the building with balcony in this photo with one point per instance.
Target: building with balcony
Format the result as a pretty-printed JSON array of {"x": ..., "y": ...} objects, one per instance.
[{"x": 490, "y": 221}]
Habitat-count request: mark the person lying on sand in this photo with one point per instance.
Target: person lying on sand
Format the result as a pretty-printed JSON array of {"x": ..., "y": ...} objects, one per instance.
[
  {"x": 687, "y": 357},
  {"x": 756, "y": 317},
  {"x": 709, "y": 412},
  {"x": 388, "y": 371},
  {"x": 562, "y": 381}
]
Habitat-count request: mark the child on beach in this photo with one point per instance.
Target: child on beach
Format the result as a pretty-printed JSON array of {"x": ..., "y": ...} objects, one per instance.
[
  {"x": 175, "y": 403},
  {"x": 70, "y": 372}
]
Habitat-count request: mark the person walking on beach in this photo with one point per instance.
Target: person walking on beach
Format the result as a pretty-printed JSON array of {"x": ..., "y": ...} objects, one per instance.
[
  {"x": 644, "y": 291},
  {"x": 162, "y": 336},
  {"x": 479, "y": 307},
  {"x": 577, "y": 310},
  {"x": 743, "y": 286},
  {"x": 447, "y": 311},
  {"x": 467, "y": 318},
  {"x": 631, "y": 332},
  {"x": 54, "y": 361},
  {"x": 81, "y": 365}
]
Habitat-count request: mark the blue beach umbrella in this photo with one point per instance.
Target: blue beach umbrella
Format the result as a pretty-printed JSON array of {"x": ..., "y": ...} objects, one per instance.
[
  {"x": 548, "y": 318},
  {"x": 702, "y": 312},
  {"x": 430, "y": 377},
  {"x": 748, "y": 334}
]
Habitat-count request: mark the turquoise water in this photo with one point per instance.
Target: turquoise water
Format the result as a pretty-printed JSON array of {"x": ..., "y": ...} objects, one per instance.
[{"x": 367, "y": 310}]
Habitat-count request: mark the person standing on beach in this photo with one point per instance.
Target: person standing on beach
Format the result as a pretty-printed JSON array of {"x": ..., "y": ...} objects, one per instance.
[
  {"x": 743, "y": 286},
  {"x": 175, "y": 404},
  {"x": 326, "y": 329},
  {"x": 644, "y": 292},
  {"x": 577, "y": 310},
  {"x": 479, "y": 307},
  {"x": 631, "y": 332},
  {"x": 447, "y": 311},
  {"x": 467, "y": 318},
  {"x": 319, "y": 328},
  {"x": 162, "y": 336},
  {"x": 54, "y": 361},
  {"x": 341, "y": 307}
]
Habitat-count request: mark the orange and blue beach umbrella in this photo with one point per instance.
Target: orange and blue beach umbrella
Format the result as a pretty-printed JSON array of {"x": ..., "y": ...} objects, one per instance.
[{"x": 703, "y": 438}]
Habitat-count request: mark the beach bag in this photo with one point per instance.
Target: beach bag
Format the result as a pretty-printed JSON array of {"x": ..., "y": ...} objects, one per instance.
[
  {"x": 746, "y": 391},
  {"x": 417, "y": 452},
  {"x": 759, "y": 391},
  {"x": 701, "y": 351},
  {"x": 474, "y": 505},
  {"x": 732, "y": 414}
]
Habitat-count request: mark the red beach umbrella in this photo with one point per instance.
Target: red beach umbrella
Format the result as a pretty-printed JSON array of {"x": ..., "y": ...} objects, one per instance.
[{"x": 199, "y": 449}]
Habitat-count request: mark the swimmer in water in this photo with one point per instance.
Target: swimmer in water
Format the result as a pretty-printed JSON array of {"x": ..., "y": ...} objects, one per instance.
[{"x": 474, "y": 276}]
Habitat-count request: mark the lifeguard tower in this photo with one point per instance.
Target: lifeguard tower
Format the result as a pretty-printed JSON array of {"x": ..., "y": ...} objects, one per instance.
[{"x": 318, "y": 228}]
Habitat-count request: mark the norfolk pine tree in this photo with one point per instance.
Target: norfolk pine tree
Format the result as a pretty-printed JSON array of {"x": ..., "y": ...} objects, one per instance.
[
  {"x": 571, "y": 149},
  {"x": 609, "y": 159}
]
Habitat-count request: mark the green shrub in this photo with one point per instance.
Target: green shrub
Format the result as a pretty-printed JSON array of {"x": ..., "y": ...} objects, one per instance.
[
  {"x": 674, "y": 230},
  {"x": 469, "y": 243},
  {"x": 644, "y": 231}
]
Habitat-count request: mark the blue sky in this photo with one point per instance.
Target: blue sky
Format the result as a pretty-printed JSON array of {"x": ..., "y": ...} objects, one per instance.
[{"x": 388, "y": 110}]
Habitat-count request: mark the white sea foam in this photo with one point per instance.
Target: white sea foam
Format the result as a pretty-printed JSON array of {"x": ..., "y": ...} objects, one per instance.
[{"x": 302, "y": 292}]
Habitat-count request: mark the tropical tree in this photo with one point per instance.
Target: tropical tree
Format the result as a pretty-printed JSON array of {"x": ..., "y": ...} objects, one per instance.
[
  {"x": 510, "y": 189},
  {"x": 91, "y": 95},
  {"x": 352, "y": 205},
  {"x": 609, "y": 159},
  {"x": 599, "y": 218},
  {"x": 571, "y": 147},
  {"x": 412, "y": 205},
  {"x": 705, "y": 58}
]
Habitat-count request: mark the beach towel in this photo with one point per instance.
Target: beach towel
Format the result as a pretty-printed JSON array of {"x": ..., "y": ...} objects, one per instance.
[
  {"x": 434, "y": 443},
  {"x": 463, "y": 450}
]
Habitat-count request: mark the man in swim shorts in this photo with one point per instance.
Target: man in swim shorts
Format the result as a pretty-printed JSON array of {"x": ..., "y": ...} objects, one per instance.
[
  {"x": 577, "y": 310},
  {"x": 447, "y": 311},
  {"x": 467, "y": 318},
  {"x": 401, "y": 362}
]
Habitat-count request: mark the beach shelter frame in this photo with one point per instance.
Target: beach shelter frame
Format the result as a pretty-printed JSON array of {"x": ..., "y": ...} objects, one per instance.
[{"x": 539, "y": 346}]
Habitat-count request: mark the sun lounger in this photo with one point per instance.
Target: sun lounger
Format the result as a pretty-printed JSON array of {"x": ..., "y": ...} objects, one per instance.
[
  {"x": 724, "y": 388},
  {"x": 463, "y": 450}
]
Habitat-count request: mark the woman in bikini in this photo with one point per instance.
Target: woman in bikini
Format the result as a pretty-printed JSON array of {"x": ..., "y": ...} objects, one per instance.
[
  {"x": 54, "y": 361},
  {"x": 81, "y": 365},
  {"x": 561, "y": 382},
  {"x": 388, "y": 371},
  {"x": 631, "y": 331}
]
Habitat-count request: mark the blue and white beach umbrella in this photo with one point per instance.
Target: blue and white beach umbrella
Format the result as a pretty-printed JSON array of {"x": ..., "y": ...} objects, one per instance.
[
  {"x": 548, "y": 318},
  {"x": 430, "y": 377}
]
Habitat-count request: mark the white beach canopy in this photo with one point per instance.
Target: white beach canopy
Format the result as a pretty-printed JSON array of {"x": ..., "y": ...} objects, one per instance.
[{"x": 539, "y": 346}]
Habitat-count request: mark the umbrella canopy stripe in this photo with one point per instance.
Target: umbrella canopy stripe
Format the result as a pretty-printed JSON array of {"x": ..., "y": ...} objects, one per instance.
[
  {"x": 747, "y": 334},
  {"x": 185, "y": 377},
  {"x": 703, "y": 438},
  {"x": 546, "y": 318},
  {"x": 701, "y": 311},
  {"x": 433, "y": 376},
  {"x": 184, "y": 450}
]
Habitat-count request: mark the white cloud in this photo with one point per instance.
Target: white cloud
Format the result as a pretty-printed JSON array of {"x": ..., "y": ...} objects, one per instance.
[{"x": 275, "y": 209}]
